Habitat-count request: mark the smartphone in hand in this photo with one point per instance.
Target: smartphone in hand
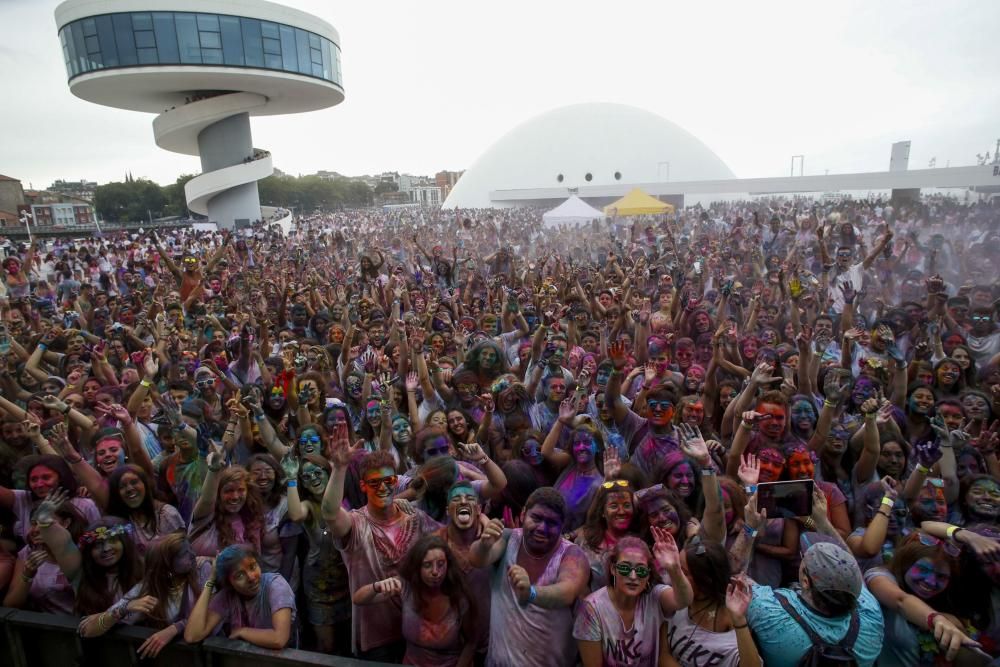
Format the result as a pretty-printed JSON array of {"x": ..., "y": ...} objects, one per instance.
[{"x": 786, "y": 500}]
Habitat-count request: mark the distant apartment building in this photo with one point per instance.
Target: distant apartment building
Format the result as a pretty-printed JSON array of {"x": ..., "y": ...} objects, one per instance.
[
  {"x": 427, "y": 195},
  {"x": 81, "y": 189},
  {"x": 62, "y": 214},
  {"x": 446, "y": 181},
  {"x": 11, "y": 197}
]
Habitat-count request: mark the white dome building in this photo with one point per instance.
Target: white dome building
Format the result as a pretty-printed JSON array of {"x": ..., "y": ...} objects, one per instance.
[{"x": 583, "y": 146}]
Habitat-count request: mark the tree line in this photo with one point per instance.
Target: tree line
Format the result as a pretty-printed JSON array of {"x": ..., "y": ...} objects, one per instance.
[{"x": 138, "y": 199}]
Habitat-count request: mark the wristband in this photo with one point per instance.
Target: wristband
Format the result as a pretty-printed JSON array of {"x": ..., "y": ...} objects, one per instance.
[
  {"x": 885, "y": 514},
  {"x": 292, "y": 483},
  {"x": 886, "y": 500},
  {"x": 930, "y": 619},
  {"x": 921, "y": 468},
  {"x": 531, "y": 596},
  {"x": 747, "y": 425},
  {"x": 145, "y": 383},
  {"x": 952, "y": 530},
  {"x": 740, "y": 627},
  {"x": 750, "y": 531},
  {"x": 73, "y": 462},
  {"x": 43, "y": 347},
  {"x": 259, "y": 418},
  {"x": 210, "y": 584},
  {"x": 708, "y": 471},
  {"x": 829, "y": 404},
  {"x": 750, "y": 489},
  {"x": 66, "y": 410}
]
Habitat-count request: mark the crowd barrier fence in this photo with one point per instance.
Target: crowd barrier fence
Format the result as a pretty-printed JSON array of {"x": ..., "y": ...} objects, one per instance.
[{"x": 31, "y": 639}]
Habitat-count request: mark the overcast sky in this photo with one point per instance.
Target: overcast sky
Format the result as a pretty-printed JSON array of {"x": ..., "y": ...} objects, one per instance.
[{"x": 430, "y": 85}]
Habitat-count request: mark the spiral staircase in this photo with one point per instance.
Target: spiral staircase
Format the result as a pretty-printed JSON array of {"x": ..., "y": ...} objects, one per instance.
[{"x": 213, "y": 128}]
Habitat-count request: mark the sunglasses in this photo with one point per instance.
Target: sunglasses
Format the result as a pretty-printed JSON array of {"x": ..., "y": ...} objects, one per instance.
[
  {"x": 981, "y": 318},
  {"x": 661, "y": 405},
  {"x": 951, "y": 548},
  {"x": 376, "y": 484},
  {"x": 936, "y": 482},
  {"x": 309, "y": 438},
  {"x": 625, "y": 569},
  {"x": 618, "y": 482},
  {"x": 437, "y": 451}
]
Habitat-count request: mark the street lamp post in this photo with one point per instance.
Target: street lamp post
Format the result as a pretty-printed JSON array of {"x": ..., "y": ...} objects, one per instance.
[{"x": 802, "y": 164}]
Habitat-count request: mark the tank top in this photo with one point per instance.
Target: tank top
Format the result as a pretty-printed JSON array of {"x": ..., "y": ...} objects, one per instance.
[{"x": 528, "y": 636}]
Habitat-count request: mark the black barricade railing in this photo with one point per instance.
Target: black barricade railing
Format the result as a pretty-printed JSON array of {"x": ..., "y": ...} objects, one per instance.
[{"x": 31, "y": 639}]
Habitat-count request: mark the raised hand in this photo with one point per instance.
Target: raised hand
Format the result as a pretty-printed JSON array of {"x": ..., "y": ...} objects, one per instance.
[
  {"x": 472, "y": 451},
  {"x": 819, "y": 505},
  {"x": 489, "y": 405},
  {"x": 761, "y": 375},
  {"x": 290, "y": 465},
  {"x": 847, "y": 289},
  {"x": 693, "y": 445},
  {"x": 150, "y": 365},
  {"x": 739, "y": 593},
  {"x": 835, "y": 385},
  {"x": 412, "y": 381},
  {"x": 890, "y": 487},
  {"x": 567, "y": 411},
  {"x": 749, "y": 472},
  {"x": 612, "y": 463},
  {"x": 751, "y": 516},
  {"x": 665, "y": 549},
  {"x": 870, "y": 406},
  {"x": 492, "y": 532},
  {"x": 45, "y": 513},
  {"x": 619, "y": 354}
]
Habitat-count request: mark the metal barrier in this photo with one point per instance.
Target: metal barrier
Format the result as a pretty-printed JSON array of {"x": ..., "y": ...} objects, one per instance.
[{"x": 35, "y": 640}]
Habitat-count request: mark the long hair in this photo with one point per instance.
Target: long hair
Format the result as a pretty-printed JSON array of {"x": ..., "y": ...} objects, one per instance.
[
  {"x": 117, "y": 506},
  {"x": 278, "y": 490},
  {"x": 252, "y": 512},
  {"x": 160, "y": 576},
  {"x": 93, "y": 594},
  {"x": 67, "y": 480},
  {"x": 709, "y": 570},
  {"x": 595, "y": 525},
  {"x": 913, "y": 550},
  {"x": 454, "y": 584}
]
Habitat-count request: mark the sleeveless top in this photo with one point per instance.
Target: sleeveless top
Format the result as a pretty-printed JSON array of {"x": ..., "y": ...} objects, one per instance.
[{"x": 528, "y": 636}]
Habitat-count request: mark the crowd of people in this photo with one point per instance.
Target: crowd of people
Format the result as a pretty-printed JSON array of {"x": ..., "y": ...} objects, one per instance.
[{"x": 463, "y": 438}]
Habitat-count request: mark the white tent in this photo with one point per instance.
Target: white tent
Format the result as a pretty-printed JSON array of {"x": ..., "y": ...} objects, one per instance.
[{"x": 573, "y": 211}]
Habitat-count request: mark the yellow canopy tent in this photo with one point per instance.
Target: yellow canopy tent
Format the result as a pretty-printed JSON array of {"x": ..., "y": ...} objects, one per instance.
[{"x": 637, "y": 202}]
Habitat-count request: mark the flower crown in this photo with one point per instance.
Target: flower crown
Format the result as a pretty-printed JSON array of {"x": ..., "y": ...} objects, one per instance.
[{"x": 104, "y": 533}]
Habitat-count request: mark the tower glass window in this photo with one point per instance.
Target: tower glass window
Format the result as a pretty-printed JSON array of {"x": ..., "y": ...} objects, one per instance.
[{"x": 135, "y": 39}]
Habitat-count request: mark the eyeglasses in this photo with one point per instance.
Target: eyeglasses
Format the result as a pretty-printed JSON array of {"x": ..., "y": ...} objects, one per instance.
[
  {"x": 437, "y": 451},
  {"x": 953, "y": 549},
  {"x": 378, "y": 483},
  {"x": 618, "y": 482},
  {"x": 311, "y": 476},
  {"x": 661, "y": 405},
  {"x": 625, "y": 569}
]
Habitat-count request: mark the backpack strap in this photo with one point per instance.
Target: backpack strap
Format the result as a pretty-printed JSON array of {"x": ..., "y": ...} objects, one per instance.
[{"x": 849, "y": 639}]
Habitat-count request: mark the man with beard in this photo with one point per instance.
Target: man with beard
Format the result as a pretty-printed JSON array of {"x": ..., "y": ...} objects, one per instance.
[
  {"x": 373, "y": 540},
  {"x": 465, "y": 526},
  {"x": 651, "y": 439},
  {"x": 536, "y": 578}
]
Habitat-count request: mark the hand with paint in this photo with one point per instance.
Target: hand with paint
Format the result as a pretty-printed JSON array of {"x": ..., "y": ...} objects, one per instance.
[
  {"x": 612, "y": 464},
  {"x": 749, "y": 472},
  {"x": 665, "y": 550},
  {"x": 693, "y": 445},
  {"x": 520, "y": 582}
]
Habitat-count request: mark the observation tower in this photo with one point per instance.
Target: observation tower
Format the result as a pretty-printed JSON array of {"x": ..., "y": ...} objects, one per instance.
[{"x": 204, "y": 67}]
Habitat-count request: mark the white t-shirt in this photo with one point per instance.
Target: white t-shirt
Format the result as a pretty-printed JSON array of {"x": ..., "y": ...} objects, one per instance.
[
  {"x": 599, "y": 621},
  {"x": 693, "y": 646}
]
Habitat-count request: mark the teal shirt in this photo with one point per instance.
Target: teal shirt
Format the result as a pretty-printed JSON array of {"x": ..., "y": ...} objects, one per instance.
[{"x": 782, "y": 642}]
